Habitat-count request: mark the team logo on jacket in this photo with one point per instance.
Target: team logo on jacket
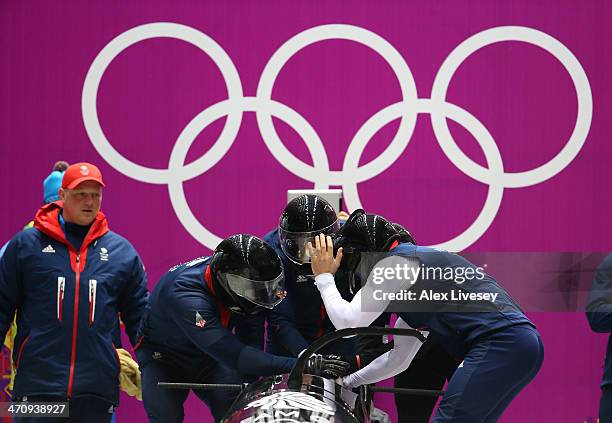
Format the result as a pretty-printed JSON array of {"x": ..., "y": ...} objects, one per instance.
[
  {"x": 199, "y": 320},
  {"x": 103, "y": 254},
  {"x": 48, "y": 249}
]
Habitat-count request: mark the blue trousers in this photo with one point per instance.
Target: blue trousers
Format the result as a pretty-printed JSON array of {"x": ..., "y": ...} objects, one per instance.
[
  {"x": 430, "y": 369},
  {"x": 493, "y": 372},
  {"x": 605, "y": 405},
  {"x": 166, "y": 405}
]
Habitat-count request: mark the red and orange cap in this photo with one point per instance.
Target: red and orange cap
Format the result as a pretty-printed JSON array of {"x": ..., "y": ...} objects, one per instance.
[{"x": 81, "y": 172}]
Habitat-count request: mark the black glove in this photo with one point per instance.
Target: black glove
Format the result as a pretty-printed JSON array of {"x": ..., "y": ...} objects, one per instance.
[
  {"x": 352, "y": 360},
  {"x": 327, "y": 366}
]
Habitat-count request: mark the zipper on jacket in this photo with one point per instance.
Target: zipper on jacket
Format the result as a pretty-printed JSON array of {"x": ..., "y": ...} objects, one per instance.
[
  {"x": 75, "y": 324},
  {"x": 18, "y": 360},
  {"x": 61, "y": 286},
  {"x": 92, "y": 300}
]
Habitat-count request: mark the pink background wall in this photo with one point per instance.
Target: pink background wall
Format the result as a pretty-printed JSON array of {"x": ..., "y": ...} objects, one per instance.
[{"x": 519, "y": 92}]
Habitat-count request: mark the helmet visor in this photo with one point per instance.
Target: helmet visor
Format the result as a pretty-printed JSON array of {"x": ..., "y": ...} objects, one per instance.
[
  {"x": 263, "y": 293},
  {"x": 295, "y": 244}
]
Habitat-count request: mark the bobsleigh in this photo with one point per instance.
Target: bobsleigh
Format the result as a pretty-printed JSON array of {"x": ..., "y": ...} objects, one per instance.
[
  {"x": 300, "y": 397},
  {"x": 317, "y": 400}
]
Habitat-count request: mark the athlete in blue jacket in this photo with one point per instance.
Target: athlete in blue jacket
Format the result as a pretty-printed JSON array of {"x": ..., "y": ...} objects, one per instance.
[
  {"x": 599, "y": 314},
  {"x": 187, "y": 333},
  {"x": 68, "y": 278},
  {"x": 502, "y": 350},
  {"x": 301, "y": 318}
]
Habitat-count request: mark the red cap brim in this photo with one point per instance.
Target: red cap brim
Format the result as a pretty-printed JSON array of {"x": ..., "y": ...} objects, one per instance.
[{"x": 76, "y": 182}]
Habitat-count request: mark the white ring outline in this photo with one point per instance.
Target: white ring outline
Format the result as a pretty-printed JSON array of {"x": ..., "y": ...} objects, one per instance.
[
  {"x": 201, "y": 121},
  {"x": 469, "y": 122},
  {"x": 111, "y": 51},
  {"x": 319, "y": 173},
  {"x": 324, "y": 33},
  {"x": 559, "y": 52}
]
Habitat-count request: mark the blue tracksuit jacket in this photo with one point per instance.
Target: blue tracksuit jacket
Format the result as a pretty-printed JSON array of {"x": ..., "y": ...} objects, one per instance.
[
  {"x": 301, "y": 318},
  {"x": 599, "y": 311},
  {"x": 67, "y": 304},
  {"x": 457, "y": 330},
  {"x": 185, "y": 326}
]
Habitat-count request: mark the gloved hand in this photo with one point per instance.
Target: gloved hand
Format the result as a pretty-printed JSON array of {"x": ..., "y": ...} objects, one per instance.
[
  {"x": 327, "y": 366},
  {"x": 352, "y": 360},
  {"x": 129, "y": 376}
]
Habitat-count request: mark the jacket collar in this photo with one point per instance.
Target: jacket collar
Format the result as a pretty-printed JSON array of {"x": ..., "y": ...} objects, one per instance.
[{"x": 47, "y": 221}]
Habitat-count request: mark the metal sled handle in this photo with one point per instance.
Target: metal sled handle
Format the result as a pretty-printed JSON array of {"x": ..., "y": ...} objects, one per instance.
[
  {"x": 295, "y": 377},
  {"x": 206, "y": 386}
]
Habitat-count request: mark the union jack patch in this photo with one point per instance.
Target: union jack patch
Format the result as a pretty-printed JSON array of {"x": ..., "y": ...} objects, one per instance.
[{"x": 199, "y": 320}]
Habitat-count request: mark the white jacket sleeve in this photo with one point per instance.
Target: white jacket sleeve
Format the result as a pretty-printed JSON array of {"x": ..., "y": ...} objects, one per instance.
[
  {"x": 390, "y": 363},
  {"x": 344, "y": 314}
]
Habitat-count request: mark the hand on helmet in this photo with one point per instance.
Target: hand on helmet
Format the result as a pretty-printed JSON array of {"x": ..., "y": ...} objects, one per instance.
[
  {"x": 322, "y": 255},
  {"x": 327, "y": 366}
]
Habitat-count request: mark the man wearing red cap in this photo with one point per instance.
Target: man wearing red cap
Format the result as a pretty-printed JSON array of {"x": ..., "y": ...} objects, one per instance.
[{"x": 68, "y": 278}]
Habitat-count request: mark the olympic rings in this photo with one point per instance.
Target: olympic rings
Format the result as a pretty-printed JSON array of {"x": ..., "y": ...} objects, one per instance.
[{"x": 351, "y": 174}]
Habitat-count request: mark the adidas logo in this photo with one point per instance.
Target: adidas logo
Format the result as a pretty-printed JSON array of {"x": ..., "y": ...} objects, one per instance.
[{"x": 48, "y": 249}]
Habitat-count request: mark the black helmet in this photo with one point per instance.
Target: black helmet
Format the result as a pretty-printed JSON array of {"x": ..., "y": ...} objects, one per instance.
[
  {"x": 303, "y": 218},
  {"x": 363, "y": 233},
  {"x": 366, "y": 233},
  {"x": 247, "y": 274},
  {"x": 405, "y": 236}
]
